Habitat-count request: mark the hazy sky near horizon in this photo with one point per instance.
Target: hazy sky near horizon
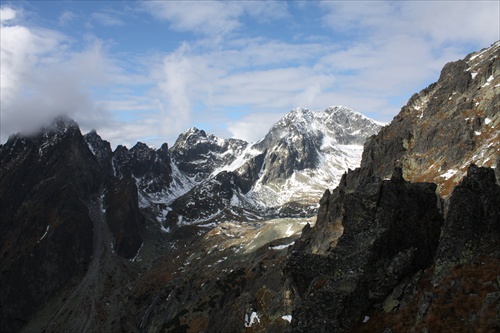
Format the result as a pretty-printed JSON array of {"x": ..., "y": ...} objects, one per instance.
[{"x": 148, "y": 70}]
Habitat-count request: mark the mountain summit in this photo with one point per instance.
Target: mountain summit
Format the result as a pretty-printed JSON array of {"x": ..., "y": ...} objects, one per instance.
[{"x": 284, "y": 173}]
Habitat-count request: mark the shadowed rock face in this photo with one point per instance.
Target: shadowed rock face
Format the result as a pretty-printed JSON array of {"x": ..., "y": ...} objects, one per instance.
[
  {"x": 47, "y": 233},
  {"x": 391, "y": 230},
  {"x": 459, "y": 291},
  {"x": 102, "y": 151},
  {"x": 151, "y": 168}
]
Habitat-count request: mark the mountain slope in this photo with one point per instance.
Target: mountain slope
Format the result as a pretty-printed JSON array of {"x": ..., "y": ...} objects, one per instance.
[{"x": 444, "y": 128}]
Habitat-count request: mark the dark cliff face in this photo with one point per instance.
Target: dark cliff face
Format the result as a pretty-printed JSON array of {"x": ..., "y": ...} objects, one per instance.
[
  {"x": 391, "y": 230},
  {"x": 385, "y": 250},
  {"x": 46, "y": 185},
  {"x": 44, "y": 182},
  {"x": 151, "y": 168},
  {"x": 459, "y": 291},
  {"x": 101, "y": 150}
]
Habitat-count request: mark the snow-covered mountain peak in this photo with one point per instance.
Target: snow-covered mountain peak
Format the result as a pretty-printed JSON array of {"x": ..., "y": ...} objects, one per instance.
[{"x": 338, "y": 124}]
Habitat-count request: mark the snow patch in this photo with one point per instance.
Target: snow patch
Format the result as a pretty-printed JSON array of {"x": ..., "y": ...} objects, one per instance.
[
  {"x": 137, "y": 254},
  {"x": 251, "y": 319},
  {"x": 281, "y": 247},
  {"x": 488, "y": 81},
  {"x": 288, "y": 318},
  {"x": 448, "y": 174},
  {"x": 487, "y": 121}
]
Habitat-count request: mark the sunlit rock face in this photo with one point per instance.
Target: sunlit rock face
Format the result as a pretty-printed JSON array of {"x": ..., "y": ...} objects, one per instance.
[{"x": 445, "y": 127}]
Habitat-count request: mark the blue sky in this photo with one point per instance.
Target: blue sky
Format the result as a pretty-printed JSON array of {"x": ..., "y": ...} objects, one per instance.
[{"x": 148, "y": 70}]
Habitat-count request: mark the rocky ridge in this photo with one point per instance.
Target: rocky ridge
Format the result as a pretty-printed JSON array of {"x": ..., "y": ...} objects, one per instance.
[
  {"x": 391, "y": 254},
  {"x": 445, "y": 127},
  {"x": 281, "y": 175}
]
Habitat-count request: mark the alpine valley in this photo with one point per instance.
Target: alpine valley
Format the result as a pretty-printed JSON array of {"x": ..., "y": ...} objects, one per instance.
[{"x": 330, "y": 223}]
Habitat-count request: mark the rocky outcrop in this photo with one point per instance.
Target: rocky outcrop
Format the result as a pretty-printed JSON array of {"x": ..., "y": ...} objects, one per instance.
[
  {"x": 391, "y": 231},
  {"x": 444, "y": 128},
  {"x": 101, "y": 150},
  {"x": 198, "y": 154},
  {"x": 460, "y": 290},
  {"x": 151, "y": 168}
]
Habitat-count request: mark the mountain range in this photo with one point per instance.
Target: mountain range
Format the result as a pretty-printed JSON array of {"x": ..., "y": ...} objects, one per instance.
[
  {"x": 284, "y": 234},
  {"x": 284, "y": 173}
]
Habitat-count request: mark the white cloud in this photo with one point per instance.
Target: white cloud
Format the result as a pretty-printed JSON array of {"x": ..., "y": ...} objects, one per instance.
[
  {"x": 436, "y": 22},
  {"x": 234, "y": 79},
  {"x": 41, "y": 78},
  {"x": 7, "y": 14},
  {"x": 66, "y": 17},
  {"x": 214, "y": 18},
  {"x": 254, "y": 126},
  {"x": 106, "y": 19}
]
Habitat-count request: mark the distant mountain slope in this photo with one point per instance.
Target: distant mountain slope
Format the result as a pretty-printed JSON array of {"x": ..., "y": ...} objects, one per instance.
[{"x": 285, "y": 173}]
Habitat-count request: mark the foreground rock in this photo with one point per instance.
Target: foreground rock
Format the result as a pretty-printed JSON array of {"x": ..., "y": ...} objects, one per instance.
[
  {"x": 391, "y": 230},
  {"x": 393, "y": 262}
]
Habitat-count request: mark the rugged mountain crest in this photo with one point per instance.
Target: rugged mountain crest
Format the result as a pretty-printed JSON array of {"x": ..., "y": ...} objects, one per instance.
[
  {"x": 444, "y": 128},
  {"x": 151, "y": 168},
  {"x": 379, "y": 246},
  {"x": 101, "y": 150},
  {"x": 282, "y": 174},
  {"x": 198, "y": 155}
]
